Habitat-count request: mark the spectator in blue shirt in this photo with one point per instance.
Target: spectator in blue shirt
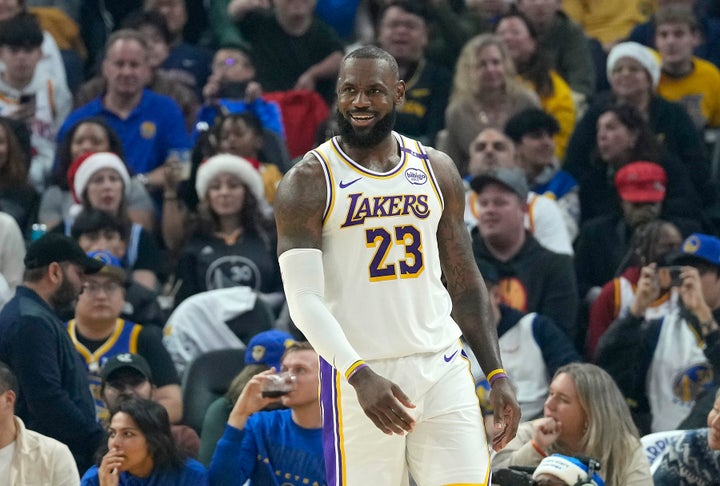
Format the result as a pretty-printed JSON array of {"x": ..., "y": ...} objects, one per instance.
[
  {"x": 280, "y": 443},
  {"x": 149, "y": 125}
]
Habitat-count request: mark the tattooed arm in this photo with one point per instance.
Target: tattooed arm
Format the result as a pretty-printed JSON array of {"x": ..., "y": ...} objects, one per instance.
[{"x": 471, "y": 304}]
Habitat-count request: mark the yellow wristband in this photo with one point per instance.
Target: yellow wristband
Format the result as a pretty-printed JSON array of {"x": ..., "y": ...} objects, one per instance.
[
  {"x": 495, "y": 372},
  {"x": 356, "y": 366}
]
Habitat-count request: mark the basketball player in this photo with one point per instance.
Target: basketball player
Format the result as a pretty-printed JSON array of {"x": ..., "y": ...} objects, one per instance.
[{"x": 367, "y": 223}]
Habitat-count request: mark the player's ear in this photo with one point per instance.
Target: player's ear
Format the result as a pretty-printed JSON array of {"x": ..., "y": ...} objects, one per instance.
[{"x": 400, "y": 92}]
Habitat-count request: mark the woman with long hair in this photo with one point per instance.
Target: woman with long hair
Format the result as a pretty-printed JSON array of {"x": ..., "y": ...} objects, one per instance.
[
  {"x": 89, "y": 136},
  {"x": 534, "y": 67},
  {"x": 624, "y": 136},
  {"x": 231, "y": 239},
  {"x": 101, "y": 181},
  {"x": 140, "y": 449},
  {"x": 17, "y": 196},
  {"x": 633, "y": 71},
  {"x": 485, "y": 93},
  {"x": 584, "y": 414}
]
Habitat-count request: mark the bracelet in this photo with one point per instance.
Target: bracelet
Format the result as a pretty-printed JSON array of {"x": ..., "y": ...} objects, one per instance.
[
  {"x": 354, "y": 368},
  {"x": 497, "y": 377},
  {"x": 170, "y": 198},
  {"x": 538, "y": 449},
  {"x": 494, "y": 372}
]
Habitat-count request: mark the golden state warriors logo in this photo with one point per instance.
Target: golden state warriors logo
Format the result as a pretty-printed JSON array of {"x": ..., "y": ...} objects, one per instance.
[
  {"x": 688, "y": 383},
  {"x": 691, "y": 245},
  {"x": 416, "y": 176},
  {"x": 148, "y": 130},
  {"x": 258, "y": 353},
  {"x": 482, "y": 390}
]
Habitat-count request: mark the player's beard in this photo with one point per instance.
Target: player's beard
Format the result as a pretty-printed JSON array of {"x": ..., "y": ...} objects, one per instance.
[
  {"x": 64, "y": 295},
  {"x": 369, "y": 137}
]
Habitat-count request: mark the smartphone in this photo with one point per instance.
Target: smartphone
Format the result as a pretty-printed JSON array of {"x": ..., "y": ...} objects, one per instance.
[
  {"x": 232, "y": 89},
  {"x": 669, "y": 276},
  {"x": 27, "y": 98}
]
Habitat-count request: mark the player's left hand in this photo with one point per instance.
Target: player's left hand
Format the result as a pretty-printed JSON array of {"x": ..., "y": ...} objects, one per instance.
[
  {"x": 507, "y": 412},
  {"x": 383, "y": 402}
]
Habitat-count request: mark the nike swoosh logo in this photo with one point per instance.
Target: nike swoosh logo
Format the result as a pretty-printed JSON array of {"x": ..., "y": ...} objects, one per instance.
[
  {"x": 343, "y": 185},
  {"x": 449, "y": 358}
]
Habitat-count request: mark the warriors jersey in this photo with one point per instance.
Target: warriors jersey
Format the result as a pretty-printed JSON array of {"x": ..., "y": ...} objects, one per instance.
[
  {"x": 380, "y": 253},
  {"x": 679, "y": 372},
  {"x": 123, "y": 340}
]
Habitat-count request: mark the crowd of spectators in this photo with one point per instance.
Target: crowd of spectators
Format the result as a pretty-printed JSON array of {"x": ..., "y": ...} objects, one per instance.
[{"x": 154, "y": 133}]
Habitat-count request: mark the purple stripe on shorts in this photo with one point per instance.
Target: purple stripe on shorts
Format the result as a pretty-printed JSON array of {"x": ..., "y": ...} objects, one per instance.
[{"x": 328, "y": 402}]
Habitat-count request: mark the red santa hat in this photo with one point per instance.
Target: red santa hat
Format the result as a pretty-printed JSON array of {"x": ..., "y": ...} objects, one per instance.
[{"x": 83, "y": 168}]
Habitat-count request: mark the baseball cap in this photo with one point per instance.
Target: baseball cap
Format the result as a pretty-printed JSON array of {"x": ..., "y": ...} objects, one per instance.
[
  {"x": 513, "y": 179},
  {"x": 566, "y": 468},
  {"x": 111, "y": 265},
  {"x": 128, "y": 361},
  {"x": 268, "y": 347},
  {"x": 641, "y": 182},
  {"x": 696, "y": 247},
  {"x": 54, "y": 247}
]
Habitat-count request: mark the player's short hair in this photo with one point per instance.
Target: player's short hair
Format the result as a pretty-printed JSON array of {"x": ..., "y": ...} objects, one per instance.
[
  {"x": 676, "y": 14},
  {"x": 374, "y": 52},
  {"x": 7, "y": 379}
]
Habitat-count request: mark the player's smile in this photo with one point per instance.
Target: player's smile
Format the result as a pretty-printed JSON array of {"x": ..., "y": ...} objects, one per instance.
[{"x": 362, "y": 119}]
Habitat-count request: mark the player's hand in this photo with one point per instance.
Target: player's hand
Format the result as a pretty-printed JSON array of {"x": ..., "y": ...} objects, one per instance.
[
  {"x": 506, "y": 412},
  {"x": 383, "y": 402},
  {"x": 546, "y": 431},
  {"x": 109, "y": 469}
]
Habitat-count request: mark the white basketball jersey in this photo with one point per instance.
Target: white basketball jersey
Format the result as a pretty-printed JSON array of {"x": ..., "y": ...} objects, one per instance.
[{"x": 380, "y": 254}]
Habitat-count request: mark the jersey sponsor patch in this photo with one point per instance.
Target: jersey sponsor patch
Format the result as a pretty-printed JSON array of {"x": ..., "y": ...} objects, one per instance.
[{"x": 416, "y": 176}]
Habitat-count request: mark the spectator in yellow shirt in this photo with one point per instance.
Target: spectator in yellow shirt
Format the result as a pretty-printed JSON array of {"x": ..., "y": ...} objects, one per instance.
[{"x": 686, "y": 79}]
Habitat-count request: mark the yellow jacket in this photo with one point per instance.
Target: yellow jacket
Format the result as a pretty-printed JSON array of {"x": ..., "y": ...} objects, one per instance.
[
  {"x": 608, "y": 20},
  {"x": 560, "y": 104}
]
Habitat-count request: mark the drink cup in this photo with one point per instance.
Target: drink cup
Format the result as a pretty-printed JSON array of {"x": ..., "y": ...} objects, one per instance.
[
  {"x": 182, "y": 156},
  {"x": 278, "y": 385}
]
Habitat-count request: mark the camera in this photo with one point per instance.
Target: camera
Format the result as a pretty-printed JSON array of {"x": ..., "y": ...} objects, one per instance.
[{"x": 669, "y": 276}]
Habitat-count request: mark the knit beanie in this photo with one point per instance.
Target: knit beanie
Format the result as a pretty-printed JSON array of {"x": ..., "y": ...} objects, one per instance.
[
  {"x": 231, "y": 164},
  {"x": 638, "y": 52}
]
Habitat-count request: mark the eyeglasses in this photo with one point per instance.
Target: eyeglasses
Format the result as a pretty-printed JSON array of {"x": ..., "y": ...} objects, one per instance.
[{"x": 94, "y": 288}]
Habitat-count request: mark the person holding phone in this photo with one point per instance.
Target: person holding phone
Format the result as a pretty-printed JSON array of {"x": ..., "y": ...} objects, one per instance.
[
  {"x": 29, "y": 95},
  {"x": 662, "y": 364}
]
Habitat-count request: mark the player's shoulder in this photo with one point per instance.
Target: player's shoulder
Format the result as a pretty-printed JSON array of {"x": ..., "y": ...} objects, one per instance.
[
  {"x": 302, "y": 186},
  {"x": 445, "y": 171},
  {"x": 308, "y": 170}
]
